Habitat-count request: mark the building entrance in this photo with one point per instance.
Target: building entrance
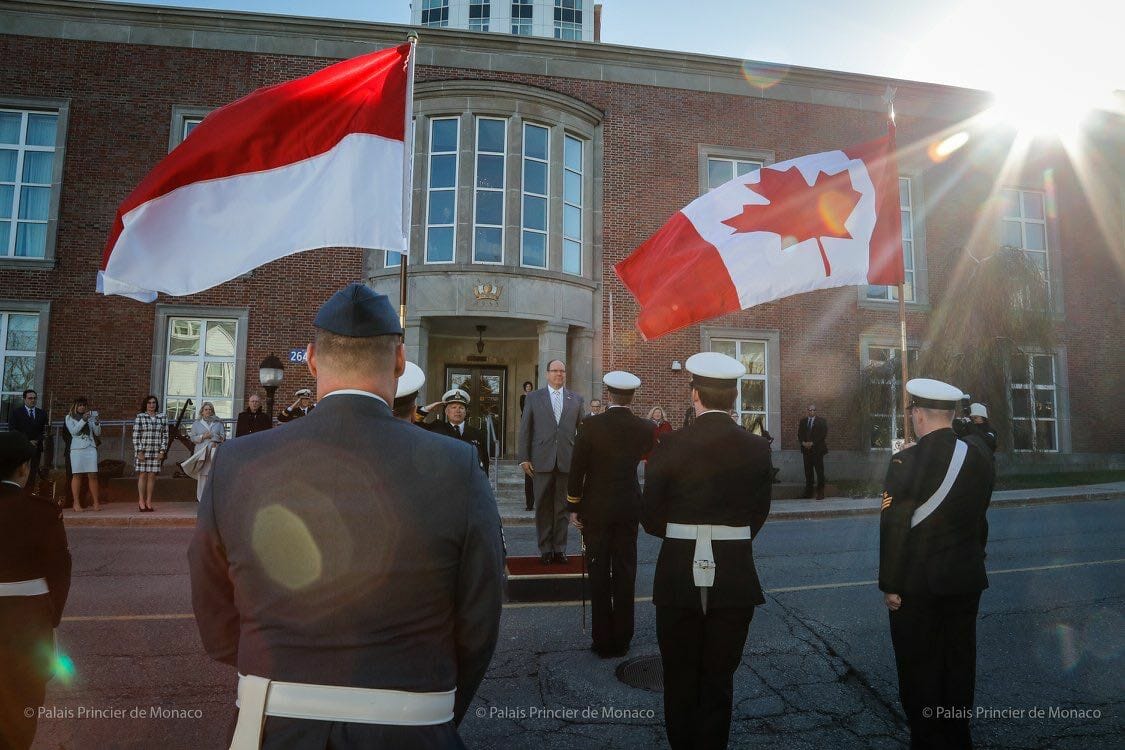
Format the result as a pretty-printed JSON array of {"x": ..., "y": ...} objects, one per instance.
[{"x": 487, "y": 388}]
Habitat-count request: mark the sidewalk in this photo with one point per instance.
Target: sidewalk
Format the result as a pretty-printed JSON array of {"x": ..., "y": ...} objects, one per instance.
[{"x": 513, "y": 514}]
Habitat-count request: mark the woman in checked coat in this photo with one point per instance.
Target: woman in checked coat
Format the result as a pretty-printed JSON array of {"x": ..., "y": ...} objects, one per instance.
[{"x": 150, "y": 436}]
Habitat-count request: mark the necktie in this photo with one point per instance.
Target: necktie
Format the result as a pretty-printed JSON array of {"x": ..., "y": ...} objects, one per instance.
[
  {"x": 461, "y": 429},
  {"x": 810, "y": 426},
  {"x": 556, "y": 404}
]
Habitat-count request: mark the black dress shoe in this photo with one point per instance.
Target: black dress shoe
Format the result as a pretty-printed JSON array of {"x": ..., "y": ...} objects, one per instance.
[
  {"x": 546, "y": 558},
  {"x": 561, "y": 558}
]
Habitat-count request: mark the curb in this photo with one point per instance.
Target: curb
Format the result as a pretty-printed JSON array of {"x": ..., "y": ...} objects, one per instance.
[{"x": 509, "y": 521}]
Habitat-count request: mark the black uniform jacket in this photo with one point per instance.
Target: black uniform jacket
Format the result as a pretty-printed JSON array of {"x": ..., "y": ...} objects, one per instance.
[
  {"x": 943, "y": 554},
  {"x": 711, "y": 472},
  {"x": 33, "y": 545},
  {"x": 371, "y": 558},
  {"x": 602, "y": 487},
  {"x": 250, "y": 422},
  {"x": 477, "y": 439}
]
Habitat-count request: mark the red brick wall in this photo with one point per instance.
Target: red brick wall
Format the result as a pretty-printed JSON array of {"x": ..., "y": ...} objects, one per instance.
[{"x": 121, "y": 104}]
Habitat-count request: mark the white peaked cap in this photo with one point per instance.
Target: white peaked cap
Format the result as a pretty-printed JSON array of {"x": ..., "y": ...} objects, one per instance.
[
  {"x": 619, "y": 380},
  {"x": 411, "y": 381}
]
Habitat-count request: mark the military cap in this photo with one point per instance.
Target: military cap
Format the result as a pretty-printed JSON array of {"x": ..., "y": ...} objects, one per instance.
[
  {"x": 410, "y": 383},
  {"x": 933, "y": 394},
  {"x": 455, "y": 396},
  {"x": 978, "y": 410},
  {"x": 303, "y": 393},
  {"x": 15, "y": 450},
  {"x": 714, "y": 370},
  {"x": 619, "y": 381},
  {"x": 358, "y": 311}
]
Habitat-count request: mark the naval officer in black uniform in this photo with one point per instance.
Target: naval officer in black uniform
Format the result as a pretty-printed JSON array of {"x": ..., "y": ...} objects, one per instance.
[
  {"x": 34, "y": 582},
  {"x": 932, "y": 536},
  {"x": 358, "y": 592},
  {"x": 707, "y": 493},
  {"x": 604, "y": 500},
  {"x": 456, "y": 403}
]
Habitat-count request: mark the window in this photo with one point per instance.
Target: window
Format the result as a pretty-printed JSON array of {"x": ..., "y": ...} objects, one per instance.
[
  {"x": 19, "y": 338},
  {"x": 200, "y": 365},
  {"x": 533, "y": 242},
  {"x": 189, "y": 125},
  {"x": 721, "y": 171},
  {"x": 906, "y": 207},
  {"x": 441, "y": 202},
  {"x": 488, "y": 219},
  {"x": 435, "y": 12},
  {"x": 751, "y": 403},
  {"x": 479, "y": 12},
  {"x": 884, "y": 371},
  {"x": 1024, "y": 225},
  {"x": 572, "y": 205},
  {"x": 1034, "y": 402},
  {"x": 521, "y": 17},
  {"x": 27, "y": 168},
  {"x": 568, "y": 19}
]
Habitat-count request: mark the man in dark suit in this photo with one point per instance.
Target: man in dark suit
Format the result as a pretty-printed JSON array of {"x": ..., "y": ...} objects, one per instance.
[
  {"x": 34, "y": 583},
  {"x": 358, "y": 591},
  {"x": 605, "y": 503},
  {"x": 254, "y": 419},
  {"x": 31, "y": 422},
  {"x": 707, "y": 493},
  {"x": 932, "y": 536},
  {"x": 812, "y": 432},
  {"x": 456, "y": 409},
  {"x": 546, "y": 443}
]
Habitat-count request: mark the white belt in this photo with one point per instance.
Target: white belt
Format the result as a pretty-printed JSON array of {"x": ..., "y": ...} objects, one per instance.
[
  {"x": 259, "y": 697},
  {"x": 25, "y": 588},
  {"x": 703, "y": 565}
]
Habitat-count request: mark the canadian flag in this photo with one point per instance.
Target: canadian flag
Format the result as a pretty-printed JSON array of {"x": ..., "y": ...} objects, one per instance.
[
  {"x": 315, "y": 162},
  {"x": 814, "y": 222}
]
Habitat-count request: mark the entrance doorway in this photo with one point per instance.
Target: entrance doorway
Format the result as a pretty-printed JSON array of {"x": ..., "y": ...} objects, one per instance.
[{"x": 487, "y": 388}]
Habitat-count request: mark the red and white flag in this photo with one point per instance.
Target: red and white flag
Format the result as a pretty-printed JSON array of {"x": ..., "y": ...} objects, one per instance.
[
  {"x": 315, "y": 162},
  {"x": 815, "y": 222}
]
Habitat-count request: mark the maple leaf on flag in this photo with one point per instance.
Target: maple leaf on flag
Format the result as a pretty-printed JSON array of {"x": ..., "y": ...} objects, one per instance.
[{"x": 798, "y": 210}]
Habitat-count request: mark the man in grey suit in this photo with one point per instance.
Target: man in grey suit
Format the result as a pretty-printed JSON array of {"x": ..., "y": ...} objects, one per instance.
[
  {"x": 547, "y": 431},
  {"x": 357, "y": 591}
]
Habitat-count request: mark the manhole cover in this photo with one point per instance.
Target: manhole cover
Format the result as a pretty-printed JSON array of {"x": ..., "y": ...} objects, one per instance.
[{"x": 644, "y": 672}]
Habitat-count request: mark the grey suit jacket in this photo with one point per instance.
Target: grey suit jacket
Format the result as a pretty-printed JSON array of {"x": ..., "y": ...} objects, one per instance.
[
  {"x": 350, "y": 548},
  {"x": 546, "y": 444}
]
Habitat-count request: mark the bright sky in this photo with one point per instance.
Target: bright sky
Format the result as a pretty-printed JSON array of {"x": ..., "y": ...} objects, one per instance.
[{"x": 1028, "y": 47}]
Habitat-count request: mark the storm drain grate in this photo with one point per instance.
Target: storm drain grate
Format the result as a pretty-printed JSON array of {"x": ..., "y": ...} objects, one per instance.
[{"x": 644, "y": 672}]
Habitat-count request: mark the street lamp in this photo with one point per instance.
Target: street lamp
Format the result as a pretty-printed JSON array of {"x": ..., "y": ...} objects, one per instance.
[{"x": 270, "y": 374}]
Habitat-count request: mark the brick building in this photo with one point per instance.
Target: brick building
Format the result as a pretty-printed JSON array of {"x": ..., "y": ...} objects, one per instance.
[{"x": 539, "y": 164}]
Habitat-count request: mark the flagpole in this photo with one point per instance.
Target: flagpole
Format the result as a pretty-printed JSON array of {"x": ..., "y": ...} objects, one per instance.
[
  {"x": 408, "y": 181},
  {"x": 889, "y": 98}
]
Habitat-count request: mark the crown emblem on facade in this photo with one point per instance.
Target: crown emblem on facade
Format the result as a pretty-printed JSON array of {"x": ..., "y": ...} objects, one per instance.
[{"x": 487, "y": 292}]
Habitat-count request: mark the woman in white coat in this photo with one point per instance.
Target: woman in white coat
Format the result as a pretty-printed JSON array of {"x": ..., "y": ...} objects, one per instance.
[
  {"x": 208, "y": 433},
  {"x": 84, "y": 429}
]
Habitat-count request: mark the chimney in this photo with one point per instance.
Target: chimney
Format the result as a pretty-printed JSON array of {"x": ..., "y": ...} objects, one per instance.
[{"x": 597, "y": 22}]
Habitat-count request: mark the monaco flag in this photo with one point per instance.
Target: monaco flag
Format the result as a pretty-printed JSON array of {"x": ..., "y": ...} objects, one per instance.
[
  {"x": 815, "y": 222},
  {"x": 315, "y": 162}
]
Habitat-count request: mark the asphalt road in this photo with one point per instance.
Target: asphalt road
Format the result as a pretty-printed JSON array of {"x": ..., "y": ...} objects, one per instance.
[{"x": 817, "y": 672}]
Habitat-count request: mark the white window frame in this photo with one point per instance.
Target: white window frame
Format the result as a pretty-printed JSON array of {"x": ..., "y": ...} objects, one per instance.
[
  {"x": 568, "y": 30},
  {"x": 481, "y": 23},
  {"x": 762, "y": 377},
  {"x": 546, "y": 197},
  {"x": 1023, "y": 220},
  {"x": 39, "y": 312},
  {"x": 906, "y": 211},
  {"x": 522, "y": 26},
  {"x": 430, "y": 189},
  {"x": 434, "y": 5},
  {"x": 26, "y": 108},
  {"x": 582, "y": 144},
  {"x": 202, "y": 359},
  {"x": 1028, "y": 384},
  {"x": 184, "y": 118},
  {"x": 735, "y": 164},
  {"x": 895, "y": 383},
  {"x": 477, "y": 190}
]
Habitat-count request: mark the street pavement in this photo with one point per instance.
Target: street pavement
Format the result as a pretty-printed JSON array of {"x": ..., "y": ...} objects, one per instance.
[{"x": 817, "y": 671}]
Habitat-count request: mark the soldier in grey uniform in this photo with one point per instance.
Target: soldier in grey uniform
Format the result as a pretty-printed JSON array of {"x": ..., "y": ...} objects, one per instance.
[
  {"x": 358, "y": 591},
  {"x": 932, "y": 535},
  {"x": 707, "y": 494}
]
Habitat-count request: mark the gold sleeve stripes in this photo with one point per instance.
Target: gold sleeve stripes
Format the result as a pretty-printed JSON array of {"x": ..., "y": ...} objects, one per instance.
[
  {"x": 573, "y": 499},
  {"x": 886, "y": 501}
]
